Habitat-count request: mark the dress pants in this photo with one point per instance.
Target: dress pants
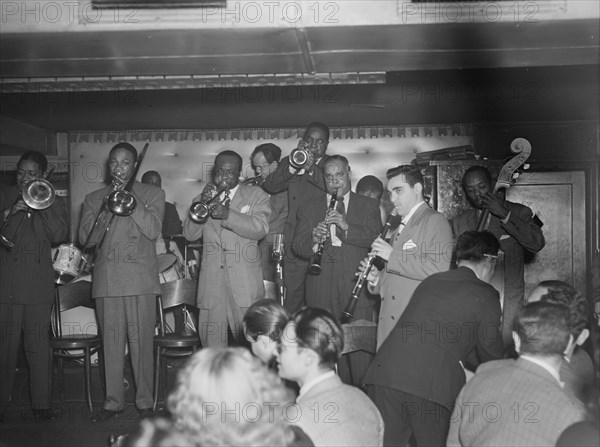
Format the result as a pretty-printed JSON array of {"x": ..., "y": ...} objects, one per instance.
[
  {"x": 225, "y": 312},
  {"x": 33, "y": 321},
  {"x": 294, "y": 278},
  {"x": 133, "y": 319},
  {"x": 405, "y": 414}
]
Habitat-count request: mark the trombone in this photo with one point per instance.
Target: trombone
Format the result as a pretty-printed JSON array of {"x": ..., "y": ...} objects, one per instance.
[
  {"x": 119, "y": 202},
  {"x": 38, "y": 194},
  {"x": 199, "y": 211}
]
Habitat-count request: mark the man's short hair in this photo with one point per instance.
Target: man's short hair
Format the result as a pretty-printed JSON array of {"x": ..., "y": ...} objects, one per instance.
[
  {"x": 232, "y": 154},
  {"x": 543, "y": 328},
  {"x": 559, "y": 292},
  {"x": 477, "y": 170},
  {"x": 318, "y": 330},
  {"x": 270, "y": 151},
  {"x": 473, "y": 246},
  {"x": 265, "y": 317},
  {"x": 126, "y": 146},
  {"x": 370, "y": 184},
  {"x": 150, "y": 174},
  {"x": 320, "y": 126},
  {"x": 36, "y": 157},
  {"x": 411, "y": 173}
]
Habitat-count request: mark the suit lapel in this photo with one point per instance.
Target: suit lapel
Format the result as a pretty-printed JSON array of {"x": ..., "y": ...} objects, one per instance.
[{"x": 411, "y": 228}]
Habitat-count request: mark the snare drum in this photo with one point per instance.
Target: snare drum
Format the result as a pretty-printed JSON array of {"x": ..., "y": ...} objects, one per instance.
[
  {"x": 169, "y": 268},
  {"x": 68, "y": 261}
]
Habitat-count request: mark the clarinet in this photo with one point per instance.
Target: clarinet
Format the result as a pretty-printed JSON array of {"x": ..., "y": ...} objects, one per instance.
[
  {"x": 315, "y": 267},
  {"x": 348, "y": 313}
]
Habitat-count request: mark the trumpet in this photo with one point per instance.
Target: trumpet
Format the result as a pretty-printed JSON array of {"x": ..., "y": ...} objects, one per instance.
[
  {"x": 315, "y": 267},
  {"x": 299, "y": 158},
  {"x": 348, "y": 313},
  {"x": 253, "y": 180},
  {"x": 38, "y": 194},
  {"x": 199, "y": 211}
]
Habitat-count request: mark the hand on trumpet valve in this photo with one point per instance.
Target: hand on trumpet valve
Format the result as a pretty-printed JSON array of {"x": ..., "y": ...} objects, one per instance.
[
  {"x": 209, "y": 191},
  {"x": 319, "y": 233},
  {"x": 220, "y": 211},
  {"x": 373, "y": 273},
  {"x": 381, "y": 248}
]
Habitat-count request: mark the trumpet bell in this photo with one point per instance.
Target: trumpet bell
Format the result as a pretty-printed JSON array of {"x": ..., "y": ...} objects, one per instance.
[
  {"x": 121, "y": 203},
  {"x": 299, "y": 158},
  {"x": 199, "y": 212},
  {"x": 38, "y": 194}
]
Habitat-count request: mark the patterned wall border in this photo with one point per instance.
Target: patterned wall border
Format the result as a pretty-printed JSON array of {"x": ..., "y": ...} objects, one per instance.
[{"x": 337, "y": 133}]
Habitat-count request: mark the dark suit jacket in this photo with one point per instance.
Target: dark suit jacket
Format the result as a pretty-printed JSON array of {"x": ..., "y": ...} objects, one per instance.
[
  {"x": 450, "y": 315},
  {"x": 301, "y": 189},
  {"x": 331, "y": 289},
  {"x": 26, "y": 273},
  {"x": 512, "y": 403},
  {"x": 127, "y": 263}
]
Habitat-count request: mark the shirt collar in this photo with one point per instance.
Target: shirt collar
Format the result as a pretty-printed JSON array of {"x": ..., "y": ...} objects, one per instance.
[
  {"x": 412, "y": 211},
  {"x": 544, "y": 365},
  {"x": 311, "y": 383}
]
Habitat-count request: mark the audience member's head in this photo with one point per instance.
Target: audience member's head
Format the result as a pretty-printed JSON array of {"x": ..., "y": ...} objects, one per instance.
[
  {"x": 311, "y": 344},
  {"x": 479, "y": 251},
  {"x": 227, "y": 397},
  {"x": 542, "y": 330},
  {"x": 263, "y": 324},
  {"x": 152, "y": 178},
  {"x": 370, "y": 186},
  {"x": 158, "y": 432},
  {"x": 559, "y": 292}
]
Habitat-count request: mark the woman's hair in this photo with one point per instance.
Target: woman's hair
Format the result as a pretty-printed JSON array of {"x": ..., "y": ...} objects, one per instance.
[
  {"x": 157, "y": 432},
  {"x": 227, "y": 397},
  {"x": 265, "y": 317}
]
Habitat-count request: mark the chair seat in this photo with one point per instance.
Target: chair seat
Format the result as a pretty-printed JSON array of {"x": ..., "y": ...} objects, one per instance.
[
  {"x": 75, "y": 341},
  {"x": 176, "y": 341}
]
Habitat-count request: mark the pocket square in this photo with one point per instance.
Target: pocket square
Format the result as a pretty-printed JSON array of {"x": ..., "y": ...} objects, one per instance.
[
  {"x": 245, "y": 209},
  {"x": 409, "y": 245}
]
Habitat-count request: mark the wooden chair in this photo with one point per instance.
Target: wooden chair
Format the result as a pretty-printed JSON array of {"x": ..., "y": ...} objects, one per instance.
[
  {"x": 75, "y": 346},
  {"x": 168, "y": 344}
]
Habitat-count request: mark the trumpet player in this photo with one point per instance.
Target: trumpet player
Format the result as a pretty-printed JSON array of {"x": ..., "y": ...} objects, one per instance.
[
  {"x": 125, "y": 279},
  {"x": 348, "y": 231},
  {"x": 303, "y": 183},
  {"x": 231, "y": 276},
  {"x": 27, "y": 284}
]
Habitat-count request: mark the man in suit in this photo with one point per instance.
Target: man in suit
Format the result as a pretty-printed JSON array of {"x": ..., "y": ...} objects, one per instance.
[
  {"x": 27, "y": 285},
  {"x": 577, "y": 370},
  {"x": 522, "y": 401},
  {"x": 328, "y": 411},
  {"x": 420, "y": 246},
  {"x": 125, "y": 280},
  {"x": 346, "y": 231},
  {"x": 515, "y": 227},
  {"x": 417, "y": 372},
  {"x": 302, "y": 185},
  {"x": 231, "y": 276},
  {"x": 265, "y": 160}
]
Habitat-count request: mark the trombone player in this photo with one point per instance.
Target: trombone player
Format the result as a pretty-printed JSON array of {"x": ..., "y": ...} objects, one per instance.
[
  {"x": 27, "y": 279},
  {"x": 231, "y": 276},
  {"x": 125, "y": 278}
]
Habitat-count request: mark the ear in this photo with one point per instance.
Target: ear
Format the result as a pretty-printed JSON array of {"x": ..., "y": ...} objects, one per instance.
[
  {"x": 582, "y": 337},
  {"x": 517, "y": 341},
  {"x": 418, "y": 188}
]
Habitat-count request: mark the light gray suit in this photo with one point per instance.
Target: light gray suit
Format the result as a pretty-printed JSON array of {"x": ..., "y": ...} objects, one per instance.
[
  {"x": 332, "y": 413},
  {"x": 231, "y": 276}
]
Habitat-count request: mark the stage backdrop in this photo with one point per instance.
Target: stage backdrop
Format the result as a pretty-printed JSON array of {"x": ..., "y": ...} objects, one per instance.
[{"x": 184, "y": 158}]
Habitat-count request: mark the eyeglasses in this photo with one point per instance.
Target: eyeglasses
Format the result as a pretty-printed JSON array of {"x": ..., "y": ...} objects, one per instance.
[{"x": 491, "y": 258}]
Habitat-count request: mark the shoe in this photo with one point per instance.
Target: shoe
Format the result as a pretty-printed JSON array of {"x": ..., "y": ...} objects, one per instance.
[
  {"x": 45, "y": 414},
  {"x": 105, "y": 415},
  {"x": 146, "y": 413}
]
